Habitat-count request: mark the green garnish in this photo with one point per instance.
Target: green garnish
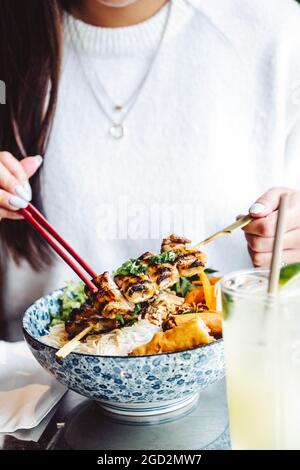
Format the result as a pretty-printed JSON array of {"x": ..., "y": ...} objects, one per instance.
[
  {"x": 165, "y": 257},
  {"x": 192, "y": 311},
  {"x": 120, "y": 318},
  {"x": 73, "y": 296},
  {"x": 134, "y": 316},
  {"x": 290, "y": 276},
  {"x": 209, "y": 271},
  {"x": 133, "y": 266},
  {"x": 55, "y": 320},
  {"x": 183, "y": 286},
  {"x": 227, "y": 304},
  {"x": 137, "y": 309}
]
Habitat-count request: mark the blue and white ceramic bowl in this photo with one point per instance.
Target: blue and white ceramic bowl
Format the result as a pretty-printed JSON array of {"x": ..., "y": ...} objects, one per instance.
[{"x": 139, "y": 386}]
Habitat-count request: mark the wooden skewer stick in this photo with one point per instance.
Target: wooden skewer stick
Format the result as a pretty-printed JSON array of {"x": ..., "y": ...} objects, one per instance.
[
  {"x": 227, "y": 230},
  {"x": 71, "y": 345}
]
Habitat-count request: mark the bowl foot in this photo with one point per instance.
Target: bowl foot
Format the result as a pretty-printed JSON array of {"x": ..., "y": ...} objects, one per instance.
[{"x": 150, "y": 413}]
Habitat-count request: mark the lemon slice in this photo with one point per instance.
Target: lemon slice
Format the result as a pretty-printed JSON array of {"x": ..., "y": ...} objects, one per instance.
[{"x": 289, "y": 278}]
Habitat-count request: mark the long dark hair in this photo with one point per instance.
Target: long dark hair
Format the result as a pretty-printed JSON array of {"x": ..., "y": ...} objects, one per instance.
[{"x": 30, "y": 56}]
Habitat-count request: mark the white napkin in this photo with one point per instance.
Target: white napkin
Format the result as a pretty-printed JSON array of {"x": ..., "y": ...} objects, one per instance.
[{"x": 27, "y": 391}]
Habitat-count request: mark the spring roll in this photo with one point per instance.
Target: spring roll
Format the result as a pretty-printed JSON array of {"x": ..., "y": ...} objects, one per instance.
[
  {"x": 213, "y": 321},
  {"x": 186, "y": 336}
]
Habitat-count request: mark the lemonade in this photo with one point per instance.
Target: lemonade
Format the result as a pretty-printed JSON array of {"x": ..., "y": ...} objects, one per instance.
[{"x": 262, "y": 351}]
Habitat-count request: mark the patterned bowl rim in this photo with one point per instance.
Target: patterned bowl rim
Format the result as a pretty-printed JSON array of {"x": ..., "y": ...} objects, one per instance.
[{"x": 73, "y": 353}]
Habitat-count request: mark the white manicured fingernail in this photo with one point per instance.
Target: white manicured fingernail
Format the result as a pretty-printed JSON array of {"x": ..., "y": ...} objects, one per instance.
[
  {"x": 24, "y": 191},
  {"x": 39, "y": 159},
  {"x": 28, "y": 189},
  {"x": 257, "y": 208},
  {"x": 18, "y": 202}
]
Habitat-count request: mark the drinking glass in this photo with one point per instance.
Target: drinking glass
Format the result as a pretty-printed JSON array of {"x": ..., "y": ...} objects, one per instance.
[{"x": 262, "y": 353}]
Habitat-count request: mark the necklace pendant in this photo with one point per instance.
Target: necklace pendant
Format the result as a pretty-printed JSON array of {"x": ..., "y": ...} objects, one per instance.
[
  {"x": 117, "y": 131},
  {"x": 118, "y": 107}
]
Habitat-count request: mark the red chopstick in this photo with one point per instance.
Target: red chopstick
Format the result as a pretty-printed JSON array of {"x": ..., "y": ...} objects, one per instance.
[
  {"x": 45, "y": 229},
  {"x": 44, "y": 222}
]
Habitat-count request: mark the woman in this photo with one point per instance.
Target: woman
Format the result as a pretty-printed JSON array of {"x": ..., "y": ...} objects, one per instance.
[{"x": 151, "y": 117}]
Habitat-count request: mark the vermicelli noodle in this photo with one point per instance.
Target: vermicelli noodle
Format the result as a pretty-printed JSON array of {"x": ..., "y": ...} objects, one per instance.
[{"x": 119, "y": 342}]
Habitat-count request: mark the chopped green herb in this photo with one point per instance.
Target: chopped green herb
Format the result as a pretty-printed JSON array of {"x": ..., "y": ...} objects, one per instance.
[
  {"x": 137, "y": 309},
  {"x": 73, "y": 296},
  {"x": 183, "y": 286},
  {"x": 165, "y": 257},
  {"x": 210, "y": 271},
  {"x": 194, "y": 278},
  {"x": 120, "y": 318},
  {"x": 133, "y": 266}
]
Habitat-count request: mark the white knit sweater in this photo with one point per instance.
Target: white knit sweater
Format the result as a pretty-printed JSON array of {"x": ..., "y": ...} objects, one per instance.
[{"x": 216, "y": 125}]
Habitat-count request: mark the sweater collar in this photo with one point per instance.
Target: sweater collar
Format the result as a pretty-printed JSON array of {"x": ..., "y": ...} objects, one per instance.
[{"x": 128, "y": 40}]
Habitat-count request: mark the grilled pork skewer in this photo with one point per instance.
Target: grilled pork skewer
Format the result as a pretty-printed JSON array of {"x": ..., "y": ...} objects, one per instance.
[
  {"x": 104, "y": 311},
  {"x": 136, "y": 288},
  {"x": 86, "y": 316},
  {"x": 109, "y": 299},
  {"x": 113, "y": 303},
  {"x": 189, "y": 262},
  {"x": 173, "y": 242},
  {"x": 162, "y": 274}
]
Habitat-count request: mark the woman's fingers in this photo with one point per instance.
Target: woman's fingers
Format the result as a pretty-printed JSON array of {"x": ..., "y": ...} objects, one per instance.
[
  {"x": 260, "y": 232},
  {"x": 260, "y": 248},
  {"x": 13, "y": 166},
  {"x": 263, "y": 260},
  {"x": 31, "y": 164},
  {"x": 262, "y": 227},
  {"x": 5, "y": 214},
  {"x": 13, "y": 177},
  {"x": 15, "y": 190},
  {"x": 10, "y": 183},
  {"x": 259, "y": 260},
  {"x": 268, "y": 202},
  {"x": 14, "y": 174},
  {"x": 265, "y": 244},
  {"x": 265, "y": 211},
  {"x": 291, "y": 256},
  {"x": 266, "y": 226},
  {"x": 11, "y": 202}
]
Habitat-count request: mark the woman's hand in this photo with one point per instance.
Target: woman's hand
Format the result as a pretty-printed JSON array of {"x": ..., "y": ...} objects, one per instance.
[
  {"x": 260, "y": 233},
  {"x": 15, "y": 190}
]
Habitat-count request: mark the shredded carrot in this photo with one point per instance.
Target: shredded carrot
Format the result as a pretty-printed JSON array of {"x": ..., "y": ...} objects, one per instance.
[
  {"x": 213, "y": 304},
  {"x": 208, "y": 290},
  {"x": 195, "y": 296},
  {"x": 212, "y": 280}
]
